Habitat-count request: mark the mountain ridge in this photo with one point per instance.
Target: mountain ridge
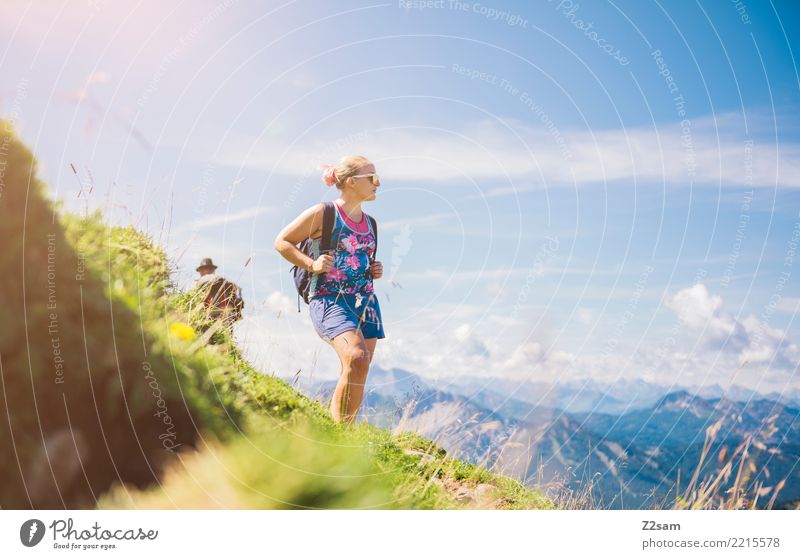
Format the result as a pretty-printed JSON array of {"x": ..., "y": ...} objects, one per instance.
[{"x": 638, "y": 453}]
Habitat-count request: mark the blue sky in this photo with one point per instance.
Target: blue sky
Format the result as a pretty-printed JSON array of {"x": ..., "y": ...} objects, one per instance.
[{"x": 557, "y": 201}]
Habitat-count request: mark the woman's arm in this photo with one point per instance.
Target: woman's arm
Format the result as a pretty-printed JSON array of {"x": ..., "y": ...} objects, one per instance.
[{"x": 302, "y": 227}]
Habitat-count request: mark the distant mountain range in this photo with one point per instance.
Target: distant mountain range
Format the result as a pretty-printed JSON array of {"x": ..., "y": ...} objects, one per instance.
[
  {"x": 587, "y": 395},
  {"x": 630, "y": 444}
]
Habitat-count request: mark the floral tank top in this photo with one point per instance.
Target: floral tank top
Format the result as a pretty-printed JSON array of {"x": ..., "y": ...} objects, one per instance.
[{"x": 351, "y": 257}]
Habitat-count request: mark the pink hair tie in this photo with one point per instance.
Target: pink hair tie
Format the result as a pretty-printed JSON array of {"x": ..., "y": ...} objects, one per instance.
[{"x": 328, "y": 174}]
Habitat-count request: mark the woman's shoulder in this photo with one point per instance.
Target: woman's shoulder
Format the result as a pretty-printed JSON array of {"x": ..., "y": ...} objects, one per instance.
[
  {"x": 315, "y": 212},
  {"x": 313, "y": 216}
]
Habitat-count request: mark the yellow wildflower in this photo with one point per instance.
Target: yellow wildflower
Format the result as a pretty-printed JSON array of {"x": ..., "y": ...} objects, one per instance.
[{"x": 182, "y": 330}]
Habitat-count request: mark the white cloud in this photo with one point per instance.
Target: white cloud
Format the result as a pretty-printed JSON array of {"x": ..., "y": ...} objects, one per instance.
[
  {"x": 277, "y": 339},
  {"x": 768, "y": 346},
  {"x": 469, "y": 343},
  {"x": 751, "y": 340},
  {"x": 487, "y": 150},
  {"x": 700, "y": 311},
  {"x": 451, "y": 340},
  {"x": 532, "y": 360},
  {"x": 525, "y": 355},
  {"x": 224, "y": 219},
  {"x": 279, "y": 302}
]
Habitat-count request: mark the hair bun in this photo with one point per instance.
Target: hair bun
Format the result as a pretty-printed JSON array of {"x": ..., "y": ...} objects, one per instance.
[{"x": 328, "y": 174}]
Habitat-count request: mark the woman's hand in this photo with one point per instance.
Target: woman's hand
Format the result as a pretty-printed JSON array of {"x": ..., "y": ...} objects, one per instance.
[
  {"x": 323, "y": 264},
  {"x": 376, "y": 269}
]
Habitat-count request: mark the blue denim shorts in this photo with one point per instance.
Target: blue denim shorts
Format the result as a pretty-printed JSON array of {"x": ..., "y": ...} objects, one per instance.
[{"x": 335, "y": 314}]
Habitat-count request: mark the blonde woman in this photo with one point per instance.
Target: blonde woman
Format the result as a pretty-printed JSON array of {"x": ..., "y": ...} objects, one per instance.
[{"x": 342, "y": 302}]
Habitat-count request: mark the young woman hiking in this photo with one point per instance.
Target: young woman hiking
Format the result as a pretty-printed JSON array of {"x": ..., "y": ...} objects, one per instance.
[{"x": 343, "y": 305}]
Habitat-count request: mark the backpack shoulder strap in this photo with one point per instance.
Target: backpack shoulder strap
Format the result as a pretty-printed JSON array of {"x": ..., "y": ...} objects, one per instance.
[
  {"x": 327, "y": 226},
  {"x": 374, "y": 232}
]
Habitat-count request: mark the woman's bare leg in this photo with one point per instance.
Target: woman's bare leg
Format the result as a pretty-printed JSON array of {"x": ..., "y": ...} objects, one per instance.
[
  {"x": 371, "y": 342},
  {"x": 355, "y": 354}
]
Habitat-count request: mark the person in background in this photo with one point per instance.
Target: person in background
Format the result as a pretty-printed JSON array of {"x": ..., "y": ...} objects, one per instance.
[{"x": 222, "y": 298}]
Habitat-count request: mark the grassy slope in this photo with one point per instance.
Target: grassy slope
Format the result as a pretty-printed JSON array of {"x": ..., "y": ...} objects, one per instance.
[
  {"x": 263, "y": 444},
  {"x": 77, "y": 405}
]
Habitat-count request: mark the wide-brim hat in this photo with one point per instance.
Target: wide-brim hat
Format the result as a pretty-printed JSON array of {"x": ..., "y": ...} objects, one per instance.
[{"x": 206, "y": 263}]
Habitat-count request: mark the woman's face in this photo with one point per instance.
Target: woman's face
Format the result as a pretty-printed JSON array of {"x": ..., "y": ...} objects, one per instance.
[{"x": 363, "y": 186}]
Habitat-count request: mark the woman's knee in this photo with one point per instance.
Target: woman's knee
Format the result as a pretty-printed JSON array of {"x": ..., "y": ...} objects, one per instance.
[
  {"x": 352, "y": 350},
  {"x": 357, "y": 357}
]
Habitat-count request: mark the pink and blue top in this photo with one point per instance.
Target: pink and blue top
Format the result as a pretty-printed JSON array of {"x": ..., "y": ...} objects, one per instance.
[{"x": 351, "y": 258}]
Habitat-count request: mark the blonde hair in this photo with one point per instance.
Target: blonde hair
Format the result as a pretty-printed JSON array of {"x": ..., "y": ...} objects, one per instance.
[{"x": 345, "y": 168}]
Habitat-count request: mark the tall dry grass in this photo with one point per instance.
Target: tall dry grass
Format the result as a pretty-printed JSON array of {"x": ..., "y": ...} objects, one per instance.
[{"x": 710, "y": 491}]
